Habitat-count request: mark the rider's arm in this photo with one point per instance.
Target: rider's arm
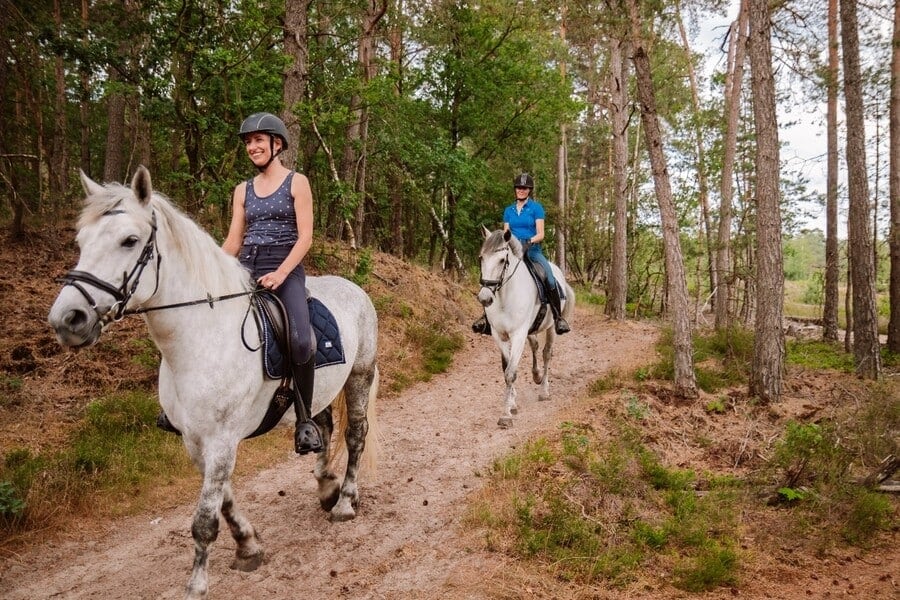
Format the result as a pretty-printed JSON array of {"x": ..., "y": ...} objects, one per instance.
[
  {"x": 235, "y": 238},
  {"x": 539, "y": 236}
]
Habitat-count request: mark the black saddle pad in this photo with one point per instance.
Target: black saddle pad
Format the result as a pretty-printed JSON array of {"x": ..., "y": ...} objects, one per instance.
[{"x": 329, "y": 349}]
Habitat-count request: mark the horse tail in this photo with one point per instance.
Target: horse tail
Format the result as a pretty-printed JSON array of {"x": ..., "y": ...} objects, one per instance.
[
  {"x": 369, "y": 460},
  {"x": 569, "y": 308},
  {"x": 373, "y": 436}
]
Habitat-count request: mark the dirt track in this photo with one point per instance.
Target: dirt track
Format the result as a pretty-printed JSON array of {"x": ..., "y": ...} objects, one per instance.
[{"x": 405, "y": 543}]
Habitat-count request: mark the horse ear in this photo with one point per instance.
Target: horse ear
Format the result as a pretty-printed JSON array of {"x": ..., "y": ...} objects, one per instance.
[
  {"x": 141, "y": 185},
  {"x": 485, "y": 231},
  {"x": 91, "y": 187},
  {"x": 507, "y": 234}
]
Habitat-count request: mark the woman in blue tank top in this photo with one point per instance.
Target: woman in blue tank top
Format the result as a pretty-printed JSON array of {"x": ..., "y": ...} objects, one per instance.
[{"x": 271, "y": 233}]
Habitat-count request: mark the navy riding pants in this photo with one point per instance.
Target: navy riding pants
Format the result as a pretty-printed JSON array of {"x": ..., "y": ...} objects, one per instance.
[{"x": 292, "y": 293}]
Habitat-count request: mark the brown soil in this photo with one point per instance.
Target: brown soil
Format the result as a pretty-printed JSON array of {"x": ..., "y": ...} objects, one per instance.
[{"x": 438, "y": 440}]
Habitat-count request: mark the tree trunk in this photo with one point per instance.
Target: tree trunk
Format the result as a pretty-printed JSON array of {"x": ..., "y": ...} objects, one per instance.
[
  {"x": 676, "y": 286},
  {"x": 84, "y": 107},
  {"x": 296, "y": 76},
  {"x": 733, "y": 86},
  {"x": 893, "y": 337},
  {"x": 866, "y": 350},
  {"x": 832, "y": 258},
  {"x": 768, "y": 346},
  {"x": 59, "y": 153},
  {"x": 618, "y": 90},
  {"x": 354, "y": 157},
  {"x": 700, "y": 164},
  {"x": 561, "y": 174}
]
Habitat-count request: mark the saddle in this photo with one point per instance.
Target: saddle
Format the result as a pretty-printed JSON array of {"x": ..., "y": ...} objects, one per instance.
[
  {"x": 275, "y": 335},
  {"x": 536, "y": 270}
]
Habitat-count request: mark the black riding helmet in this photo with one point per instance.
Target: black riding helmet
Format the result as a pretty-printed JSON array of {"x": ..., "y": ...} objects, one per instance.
[
  {"x": 266, "y": 123},
  {"x": 524, "y": 180}
]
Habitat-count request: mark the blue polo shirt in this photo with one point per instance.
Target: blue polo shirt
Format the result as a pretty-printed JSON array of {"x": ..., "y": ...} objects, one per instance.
[{"x": 523, "y": 224}]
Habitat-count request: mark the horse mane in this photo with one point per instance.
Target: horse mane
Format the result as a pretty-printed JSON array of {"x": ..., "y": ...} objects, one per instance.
[
  {"x": 202, "y": 256},
  {"x": 495, "y": 242}
]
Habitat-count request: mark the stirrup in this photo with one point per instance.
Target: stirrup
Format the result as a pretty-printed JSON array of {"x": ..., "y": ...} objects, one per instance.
[
  {"x": 482, "y": 326},
  {"x": 308, "y": 438},
  {"x": 562, "y": 326}
]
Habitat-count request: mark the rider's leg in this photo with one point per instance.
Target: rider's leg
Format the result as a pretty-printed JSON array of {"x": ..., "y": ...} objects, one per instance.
[
  {"x": 482, "y": 325},
  {"x": 307, "y": 436},
  {"x": 292, "y": 293},
  {"x": 560, "y": 324}
]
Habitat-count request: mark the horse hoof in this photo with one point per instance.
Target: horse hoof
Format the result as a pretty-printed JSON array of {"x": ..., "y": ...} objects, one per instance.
[
  {"x": 505, "y": 422},
  {"x": 248, "y": 563},
  {"x": 544, "y": 398}
]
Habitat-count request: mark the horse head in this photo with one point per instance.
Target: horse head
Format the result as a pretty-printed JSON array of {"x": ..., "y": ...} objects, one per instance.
[
  {"x": 500, "y": 254},
  {"x": 117, "y": 240}
]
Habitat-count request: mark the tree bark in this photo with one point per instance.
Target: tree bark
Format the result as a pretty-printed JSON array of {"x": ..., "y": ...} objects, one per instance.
[
  {"x": 733, "y": 86},
  {"x": 676, "y": 286},
  {"x": 296, "y": 76},
  {"x": 832, "y": 257},
  {"x": 893, "y": 337},
  {"x": 561, "y": 156},
  {"x": 866, "y": 350},
  {"x": 768, "y": 346},
  {"x": 618, "y": 90},
  {"x": 59, "y": 152},
  {"x": 700, "y": 163}
]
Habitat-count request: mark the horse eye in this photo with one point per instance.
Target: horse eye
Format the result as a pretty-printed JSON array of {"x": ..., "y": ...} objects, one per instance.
[{"x": 130, "y": 242}]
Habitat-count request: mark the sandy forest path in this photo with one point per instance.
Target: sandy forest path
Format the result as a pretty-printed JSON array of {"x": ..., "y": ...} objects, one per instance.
[{"x": 437, "y": 437}]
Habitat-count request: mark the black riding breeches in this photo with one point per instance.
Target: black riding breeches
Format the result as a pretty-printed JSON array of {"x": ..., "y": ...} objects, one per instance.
[{"x": 292, "y": 293}]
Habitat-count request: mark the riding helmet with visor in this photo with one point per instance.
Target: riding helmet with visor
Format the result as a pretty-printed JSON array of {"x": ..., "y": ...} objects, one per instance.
[
  {"x": 265, "y": 122},
  {"x": 523, "y": 180}
]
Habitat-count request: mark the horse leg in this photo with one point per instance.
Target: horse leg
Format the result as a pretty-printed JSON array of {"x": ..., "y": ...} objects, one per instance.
[
  {"x": 205, "y": 526},
  {"x": 510, "y": 366},
  {"x": 329, "y": 486},
  {"x": 357, "y": 392},
  {"x": 536, "y": 375},
  {"x": 544, "y": 379},
  {"x": 249, "y": 554}
]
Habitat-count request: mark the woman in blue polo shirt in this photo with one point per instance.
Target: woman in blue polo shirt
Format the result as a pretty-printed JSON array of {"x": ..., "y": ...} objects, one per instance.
[{"x": 525, "y": 219}]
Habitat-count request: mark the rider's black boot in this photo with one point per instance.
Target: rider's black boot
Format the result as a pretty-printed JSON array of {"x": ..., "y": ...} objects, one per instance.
[
  {"x": 162, "y": 421},
  {"x": 482, "y": 326},
  {"x": 307, "y": 436},
  {"x": 562, "y": 326}
]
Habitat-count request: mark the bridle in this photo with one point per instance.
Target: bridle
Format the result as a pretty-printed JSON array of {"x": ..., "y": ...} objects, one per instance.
[
  {"x": 494, "y": 285},
  {"x": 130, "y": 281}
]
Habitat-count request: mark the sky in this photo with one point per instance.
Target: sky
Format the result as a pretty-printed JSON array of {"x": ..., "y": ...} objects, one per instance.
[{"x": 802, "y": 133}]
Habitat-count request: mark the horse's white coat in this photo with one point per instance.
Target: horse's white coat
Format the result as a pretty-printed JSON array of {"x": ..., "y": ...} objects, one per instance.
[
  {"x": 211, "y": 386},
  {"x": 511, "y": 305}
]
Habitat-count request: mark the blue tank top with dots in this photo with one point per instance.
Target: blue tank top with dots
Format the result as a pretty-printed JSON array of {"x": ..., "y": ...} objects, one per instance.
[{"x": 271, "y": 220}]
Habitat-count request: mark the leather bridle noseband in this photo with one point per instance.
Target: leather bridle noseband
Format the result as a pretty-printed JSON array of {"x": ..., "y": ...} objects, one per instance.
[
  {"x": 124, "y": 292},
  {"x": 495, "y": 284},
  {"x": 130, "y": 281}
]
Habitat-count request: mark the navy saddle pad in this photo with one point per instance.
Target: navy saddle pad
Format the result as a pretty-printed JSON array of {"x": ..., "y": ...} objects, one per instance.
[{"x": 329, "y": 350}]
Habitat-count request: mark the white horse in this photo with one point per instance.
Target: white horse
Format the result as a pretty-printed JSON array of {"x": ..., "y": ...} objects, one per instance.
[
  {"x": 140, "y": 254},
  {"x": 512, "y": 305}
]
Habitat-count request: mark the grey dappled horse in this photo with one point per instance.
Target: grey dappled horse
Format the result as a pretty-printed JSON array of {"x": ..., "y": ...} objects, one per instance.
[
  {"x": 140, "y": 254},
  {"x": 511, "y": 304}
]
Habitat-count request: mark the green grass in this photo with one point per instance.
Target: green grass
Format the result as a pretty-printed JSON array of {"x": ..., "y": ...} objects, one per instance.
[
  {"x": 590, "y": 509},
  {"x": 114, "y": 457}
]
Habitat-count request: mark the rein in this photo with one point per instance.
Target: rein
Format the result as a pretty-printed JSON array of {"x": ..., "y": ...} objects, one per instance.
[{"x": 123, "y": 293}]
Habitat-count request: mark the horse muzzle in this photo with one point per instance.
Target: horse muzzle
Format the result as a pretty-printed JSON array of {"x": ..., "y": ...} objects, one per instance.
[
  {"x": 486, "y": 297},
  {"x": 75, "y": 327}
]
